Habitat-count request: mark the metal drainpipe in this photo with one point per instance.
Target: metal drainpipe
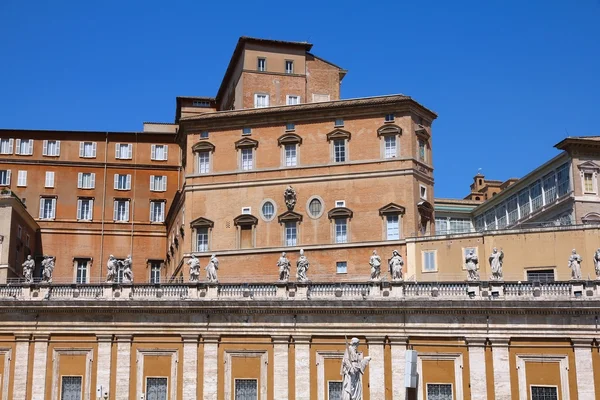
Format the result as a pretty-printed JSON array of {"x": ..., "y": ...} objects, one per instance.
[{"x": 103, "y": 205}]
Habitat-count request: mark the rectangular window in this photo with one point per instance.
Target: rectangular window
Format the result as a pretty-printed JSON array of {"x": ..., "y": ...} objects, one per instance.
[
  {"x": 86, "y": 180},
  {"x": 6, "y": 146},
  {"x": 436, "y": 391},
  {"x": 247, "y": 159},
  {"x": 562, "y": 179},
  {"x": 490, "y": 220},
  {"x": 334, "y": 390},
  {"x": 501, "y": 216},
  {"x": 389, "y": 117},
  {"x": 201, "y": 239},
  {"x": 261, "y": 100},
  {"x": 422, "y": 152},
  {"x": 291, "y": 233},
  {"x": 511, "y": 209},
  {"x": 121, "y": 210},
  {"x": 588, "y": 182},
  {"x": 24, "y": 147},
  {"x": 201, "y": 103},
  {"x": 157, "y": 211},
  {"x": 155, "y": 271},
  {"x": 122, "y": 182},
  {"x": 524, "y": 206},
  {"x": 47, "y": 208},
  {"x": 544, "y": 392},
  {"x": 341, "y": 267},
  {"x": 441, "y": 226},
  {"x": 290, "y": 126},
  {"x": 338, "y": 123},
  {"x": 203, "y": 162},
  {"x": 289, "y": 67},
  {"x": 158, "y": 183},
  {"x": 19, "y": 231},
  {"x": 123, "y": 151},
  {"x": 246, "y": 389},
  {"x": 158, "y": 152},
  {"x": 479, "y": 223},
  {"x": 341, "y": 230},
  {"x": 393, "y": 227},
  {"x": 51, "y": 148},
  {"x": 22, "y": 178},
  {"x": 49, "y": 179},
  {"x": 246, "y": 210},
  {"x": 549, "y": 188},
  {"x": 87, "y": 149},
  {"x": 262, "y": 64},
  {"x": 204, "y": 135},
  {"x": 541, "y": 275},
  {"x": 390, "y": 146},
  {"x": 459, "y": 225},
  {"x": 246, "y": 131},
  {"x": 156, "y": 388},
  {"x": 429, "y": 261},
  {"x": 536, "y": 195},
  {"x": 340, "y": 203},
  {"x": 84, "y": 209},
  {"x": 81, "y": 273},
  {"x": 71, "y": 388},
  {"x": 339, "y": 150},
  {"x": 290, "y": 155},
  {"x": 292, "y": 100},
  {"x": 27, "y": 240},
  {"x": 5, "y": 177},
  {"x": 423, "y": 192}
]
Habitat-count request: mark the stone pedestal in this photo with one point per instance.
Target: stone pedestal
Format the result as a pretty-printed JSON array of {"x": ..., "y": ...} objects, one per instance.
[
  {"x": 397, "y": 289},
  {"x": 212, "y": 291},
  {"x": 301, "y": 291}
]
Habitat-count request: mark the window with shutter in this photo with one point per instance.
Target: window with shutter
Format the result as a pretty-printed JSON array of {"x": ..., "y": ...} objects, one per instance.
[
  {"x": 429, "y": 261},
  {"x": 22, "y": 178},
  {"x": 393, "y": 227},
  {"x": 6, "y": 146},
  {"x": 49, "y": 179},
  {"x": 5, "y": 177}
]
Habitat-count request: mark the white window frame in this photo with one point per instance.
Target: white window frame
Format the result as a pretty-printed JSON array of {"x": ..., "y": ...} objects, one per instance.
[
  {"x": 391, "y": 152},
  {"x": 594, "y": 178},
  {"x": 119, "y": 152},
  {"x": 7, "y": 174},
  {"x": 334, "y": 145},
  {"x": 289, "y": 66},
  {"x": 389, "y": 226},
  {"x": 247, "y": 210},
  {"x": 341, "y": 230},
  {"x": 153, "y": 204},
  {"x": 9, "y": 145},
  {"x": 153, "y": 152},
  {"x": 43, "y": 201},
  {"x": 202, "y": 232},
  {"x": 29, "y": 149},
  {"x": 244, "y": 164},
  {"x": 289, "y": 159},
  {"x": 84, "y": 266},
  {"x": 158, "y": 185},
  {"x": 263, "y": 67},
  {"x": 292, "y": 100},
  {"x": 262, "y": 214},
  {"x": 154, "y": 267},
  {"x": 49, "y": 181},
  {"x": 91, "y": 183},
  {"x": 127, "y": 181},
  {"x": 340, "y": 203},
  {"x": 389, "y": 117},
  {"x": 80, "y": 216},
  {"x": 263, "y": 104},
  {"x": 338, "y": 264},
  {"x": 423, "y": 188},
  {"x": 22, "y": 178},
  {"x": 203, "y": 167},
  {"x": 46, "y": 148},
  {"x": 82, "y": 151},
  {"x": 116, "y": 213},
  {"x": 290, "y": 226},
  {"x": 424, "y": 254}
]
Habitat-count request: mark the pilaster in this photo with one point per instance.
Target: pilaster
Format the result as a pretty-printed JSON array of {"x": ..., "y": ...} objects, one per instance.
[
  {"x": 477, "y": 368},
  {"x": 302, "y": 366},
  {"x": 584, "y": 368},
  {"x": 40, "y": 358},
  {"x": 123, "y": 366},
  {"x": 190, "y": 366},
  {"x": 104, "y": 363},
  {"x": 21, "y": 366},
  {"x": 501, "y": 366},
  {"x": 280, "y": 366},
  {"x": 211, "y": 355},
  {"x": 376, "y": 367},
  {"x": 398, "y": 350}
]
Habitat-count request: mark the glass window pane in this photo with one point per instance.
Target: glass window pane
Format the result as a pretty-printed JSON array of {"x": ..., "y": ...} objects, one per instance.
[
  {"x": 439, "y": 391},
  {"x": 334, "y": 390},
  {"x": 202, "y": 239},
  {"x": 544, "y": 393},
  {"x": 393, "y": 231},
  {"x": 339, "y": 150},
  {"x": 315, "y": 207},
  {"x": 246, "y": 389},
  {"x": 71, "y": 388},
  {"x": 268, "y": 210},
  {"x": 156, "y": 388},
  {"x": 341, "y": 231},
  {"x": 290, "y": 234}
]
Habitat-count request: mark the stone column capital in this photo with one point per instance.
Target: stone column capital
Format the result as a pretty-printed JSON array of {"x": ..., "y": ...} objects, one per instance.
[
  {"x": 302, "y": 339},
  {"x": 190, "y": 338},
  {"x": 211, "y": 338},
  {"x": 41, "y": 337},
  {"x": 123, "y": 338},
  {"x": 476, "y": 341},
  {"x": 104, "y": 338},
  {"x": 582, "y": 342},
  {"x": 398, "y": 340},
  {"x": 280, "y": 339},
  {"x": 22, "y": 337},
  {"x": 499, "y": 341},
  {"x": 375, "y": 340}
]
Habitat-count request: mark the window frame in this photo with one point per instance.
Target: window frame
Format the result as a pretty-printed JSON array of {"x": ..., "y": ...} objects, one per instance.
[
  {"x": 80, "y": 201},
  {"x": 127, "y": 210},
  {"x": 158, "y": 183},
  {"x": 46, "y": 147},
  {"x": 46, "y": 179},
  {"x": 289, "y": 97},
  {"x": 339, "y": 264},
  {"x": 9, "y": 146},
  {"x": 62, "y": 377},
  {"x": 42, "y": 209},
  {"x": 387, "y": 226},
  {"x": 19, "y": 143},
  {"x": 7, "y": 175},
  {"x": 555, "y": 387},
  {"x": 119, "y": 152},
  {"x": 291, "y": 226},
  {"x": 153, "y": 152},
  {"x": 265, "y": 104},
  {"x": 261, "y": 211},
  {"x": 22, "y": 178},
  {"x": 308, "y": 209},
  {"x": 153, "y": 266},
  {"x": 291, "y": 69},
  {"x": 82, "y": 149},
  {"x": 235, "y": 382},
  {"x": 163, "y": 207},
  {"x": 201, "y": 224},
  {"x": 439, "y": 384},
  {"x": 424, "y": 261},
  {"x": 90, "y": 183},
  {"x": 389, "y": 117},
  {"x": 422, "y": 189},
  {"x": 85, "y": 266},
  {"x": 263, "y": 67},
  {"x": 167, "y": 386},
  {"x": 117, "y": 181}
]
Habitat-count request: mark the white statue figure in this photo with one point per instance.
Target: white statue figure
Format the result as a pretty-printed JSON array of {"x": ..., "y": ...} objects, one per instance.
[
  {"x": 111, "y": 269},
  {"x": 211, "y": 269},
  {"x": 353, "y": 368},
  {"x": 47, "y": 269},
  {"x": 290, "y": 198},
  {"x": 496, "y": 260},
  {"x": 28, "y": 267},
  {"x": 575, "y": 265},
  {"x": 597, "y": 263},
  {"x": 194, "y": 264},
  {"x": 302, "y": 267},
  {"x": 472, "y": 263},
  {"x": 396, "y": 264},
  {"x": 127, "y": 272},
  {"x": 284, "y": 268},
  {"x": 375, "y": 263}
]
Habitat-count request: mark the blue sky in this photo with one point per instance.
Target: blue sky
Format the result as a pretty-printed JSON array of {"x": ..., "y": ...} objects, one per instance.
[{"x": 508, "y": 79}]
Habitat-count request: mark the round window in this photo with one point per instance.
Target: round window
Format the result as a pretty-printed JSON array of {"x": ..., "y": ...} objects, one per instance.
[
  {"x": 268, "y": 210},
  {"x": 315, "y": 207}
]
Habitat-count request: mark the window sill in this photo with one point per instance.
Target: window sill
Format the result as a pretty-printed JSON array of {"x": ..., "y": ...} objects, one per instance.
[
  {"x": 84, "y": 220},
  {"x": 120, "y": 222},
  {"x": 87, "y": 156},
  {"x": 429, "y": 272},
  {"x": 51, "y": 155},
  {"x": 157, "y": 160}
]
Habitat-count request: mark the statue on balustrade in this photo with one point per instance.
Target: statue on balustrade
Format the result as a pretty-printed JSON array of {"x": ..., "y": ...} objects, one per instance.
[
  {"x": 396, "y": 264},
  {"x": 47, "y": 268},
  {"x": 472, "y": 264},
  {"x": 496, "y": 260},
  {"x": 375, "y": 263},
  {"x": 127, "y": 272},
  {"x": 211, "y": 269},
  {"x": 28, "y": 267},
  {"x": 111, "y": 269},
  {"x": 597, "y": 263},
  {"x": 352, "y": 370},
  {"x": 575, "y": 265},
  {"x": 290, "y": 198},
  {"x": 284, "y": 268},
  {"x": 194, "y": 264},
  {"x": 302, "y": 267}
]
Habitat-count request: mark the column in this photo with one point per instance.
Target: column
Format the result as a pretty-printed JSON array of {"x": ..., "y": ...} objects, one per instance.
[
  {"x": 21, "y": 367},
  {"x": 190, "y": 367},
  {"x": 302, "y": 366},
  {"x": 40, "y": 357},
  {"x": 211, "y": 356},
  {"x": 123, "y": 366},
  {"x": 477, "y": 368},
  {"x": 103, "y": 363},
  {"x": 501, "y": 368},
  {"x": 398, "y": 347},
  {"x": 584, "y": 368},
  {"x": 280, "y": 366},
  {"x": 376, "y": 368}
]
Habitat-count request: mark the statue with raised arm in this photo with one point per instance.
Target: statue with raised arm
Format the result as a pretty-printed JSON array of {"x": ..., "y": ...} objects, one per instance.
[
  {"x": 289, "y": 195},
  {"x": 284, "y": 268},
  {"x": 575, "y": 265},
  {"x": 472, "y": 264},
  {"x": 302, "y": 267},
  {"x": 194, "y": 264},
  {"x": 211, "y": 269},
  {"x": 496, "y": 260},
  {"x": 127, "y": 271},
  {"x": 111, "y": 269},
  {"x": 395, "y": 265},
  {"x": 28, "y": 267},
  {"x": 352, "y": 370},
  {"x": 597, "y": 263},
  {"x": 375, "y": 263},
  {"x": 47, "y": 269}
]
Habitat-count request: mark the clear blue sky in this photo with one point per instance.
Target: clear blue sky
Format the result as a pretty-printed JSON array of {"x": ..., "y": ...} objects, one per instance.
[{"x": 508, "y": 79}]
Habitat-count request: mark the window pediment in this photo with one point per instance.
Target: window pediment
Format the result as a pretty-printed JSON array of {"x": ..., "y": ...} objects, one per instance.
[
  {"x": 589, "y": 166},
  {"x": 422, "y": 132},
  {"x": 340, "y": 212},
  {"x": 289, "y": 138},
  {"x": 591, "y": 218},
  {"x": 390, "y": 129},
  {"x": 392, "y": 209},
  {"x": 245, "y": 220},
  {"x": 203, "y": 146},
  {"x": 289, "y": 216},
  {"x": 246, "y": 143},
  {"x": 338, "y": 134},
  {"x": 202, "y": 223}
]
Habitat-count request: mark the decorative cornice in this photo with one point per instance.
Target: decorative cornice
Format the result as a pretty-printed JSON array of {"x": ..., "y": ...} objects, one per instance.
[
  {"x": 338, "y": 134},
  {"x": 340, "y": 212},
  {"x": 246, "y": 143},
  {"x": 289, "y": 138},
  {"x": 389, "y": 129},
  {"x": 245, "y": 220},
  {"x": 203, "y": 146}
]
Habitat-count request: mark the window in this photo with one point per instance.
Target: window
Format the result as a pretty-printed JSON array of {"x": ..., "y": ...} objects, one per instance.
[
  {"x": 588, "y": 182},
  {"x": 422, "y": 152},
  {"x": 268, "y": 210},
  {"x": 22, "y": 178},
  {"x": 341, "y": 230},
  {"x": 290, "y": 126},
  {"x": 246, "y": 131},
  {"x": 389, "y": 117},
  {"x": 289, "y": 67},
  {"x": 49, "y": 179},
  {"x": 158, "y": 183},
  {"x": 562, "y": 179},
  {"x": 87, "y": 149},
  {"x": 501, "y": 216},
  {"x": 292, "y": 100},
  {"x": 490, "y": 220},
  {"x": 5, "y": 177},
  {"x": 291, "y": 233},
  {"x": 6, "y": 146},
  {"x": 47, "y": 208},
  {"x": 71, "y": 388},
  {"x": 429, "y": 261},
  {"x": 201, "y": 239},
  {"x": 341, "y": 267},
  {"x": 441, "y": 226},
  {"x": 339, "y": 150},
  {"x": 27, "y": 240},
  {"x": 338, "y": 123},
  {"x": 204, "y": 135},
  {"x": 436, "y": 391},
  {"x": 315, "y": 208},
  {"x": 247, "y": 159},
  {"x": 156, "y": 388},
  {"x": 86, "y": 180},
  {"x": 423, "y": 192},
  {"x": 536, "y": 196},
  {"x": 19, "y": 231},
  {"x": 157, "y": 211},
  {"x": 159, "y": 152},
  {"x": 203, "y": 162},
  {"x": 340, "y": 203},
  {"x": 246, "y": 389},
  {"x": 511, "y": 209},
  {"x": 390, "y": 146},
  {"x": 334, "y": 390},
  {"x": 155, "y": 271},
  {"x": 262, "y": 64},
  {"x": 544, "y": 393},
  {"x": 122, "y": 182},
  {"x": 479, "y": 223},
  {"x": 261, "y": 100},
  {"x": 541, "y": 275},
  {"x": 549, "y": 182},
  {"x": 393, "y": 227},
  {"x": 524, "y": 207},
  {"x": 51, "y": 148},
  {"x": 84, "y": 209},
  {"x": 121, "y": 210},
  {"x": 24, "y": 147},
  {"x": 290, "y": 155},
  {"x": 123, "y": 151},
  {"x": 201, "y": 103},
  {"x": 459, "y": 225},
  {"x": 81, "y": 270},
  {"x": 247, "y": 210}
]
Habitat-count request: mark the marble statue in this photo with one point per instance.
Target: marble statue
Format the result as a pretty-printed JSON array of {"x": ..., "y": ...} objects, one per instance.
[
  {"x": 396, "y": 263},
  {"x": 496, "y": 260},
  {"x": 290, "y": 198},
  {"x": 211, "y": 269},
  {"x": 472, "y": 262},
  {"x": 28, "y": 267},
  {"x": 575, "y": 265},
  {"x": 194, "y": 264},
  {"x": 284, "y": 268},
  {"x": 127, "y": 272},
  {"x": 302, "y": 267},
  {"x": 111, "y": 269},
  {"x": 352, "y": 370},
  {"x": 375, "y": 263},
  {"x": 597, "y": 263},
  {"x": 48, "y": 268}
]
